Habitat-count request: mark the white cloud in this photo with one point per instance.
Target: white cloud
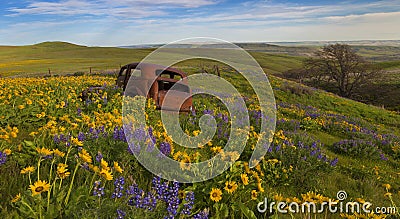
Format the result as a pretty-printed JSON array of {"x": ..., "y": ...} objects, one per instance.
[
  {"x": 125, "y": 22},
  {"x": 368, "y": 16},
  {"x": 119, "y": 8}
]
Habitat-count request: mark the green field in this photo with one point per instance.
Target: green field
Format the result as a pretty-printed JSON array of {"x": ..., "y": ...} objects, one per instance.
[{"x": 323, "y": 143}]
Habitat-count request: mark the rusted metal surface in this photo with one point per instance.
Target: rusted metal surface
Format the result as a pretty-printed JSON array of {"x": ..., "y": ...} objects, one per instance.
[
  {"x": 155, "y": 80},
  {"x": 159, "y": 81}
]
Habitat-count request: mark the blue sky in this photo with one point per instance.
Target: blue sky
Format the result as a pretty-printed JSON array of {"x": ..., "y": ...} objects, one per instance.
[{"x": 130, "y": 22}]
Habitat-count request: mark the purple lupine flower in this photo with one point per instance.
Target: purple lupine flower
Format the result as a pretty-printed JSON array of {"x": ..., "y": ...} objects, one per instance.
[
  {"x": 115, "y": 133},
  {"x": 314, "y": 145},
  {"x": 121, "y": 134},
  {"x": 382, "y": 156},
  {"x": 3, "y": 158},
  {"x": 63, "y": 138},
  {"x": 121, "y": 214},
  {"x": 134, "y": 148},
  {"x": 150, "y": 201},
  {"x": 79, "y": 111},
  {"x": 209, "y": 112},
  {"x": 334, "y": 162},
  {"x": 150, "y": 146},
  {"x": 119, "y": 187},
  {"x": 173, "y": 199},
  {"x": 136, "y": 199},
  {"x": 99, "y": 156},
  {"x": 85, "y": 166},
  {"x": 56, "y": 139},
  {"x": 81, "y": 136},
  {"x": 201, "y": 215},
  {"x": 187, "y": 207},
  {"x": 151, "y": 134},
  {"x": 165, "y": 148},
  {"x": 97, "y": 190},
  {"x": 139, "y": 134},
  {"x": 313, "y": 152}
]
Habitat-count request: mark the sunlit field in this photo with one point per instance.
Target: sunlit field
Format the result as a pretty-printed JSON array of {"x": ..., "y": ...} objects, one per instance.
[{"x": 62, "y": 157}]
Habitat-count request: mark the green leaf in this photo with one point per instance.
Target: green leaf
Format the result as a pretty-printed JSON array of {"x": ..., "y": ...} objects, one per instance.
[
  {"x": 29, "y": 143},
  {"x": 246, "y": 211}
]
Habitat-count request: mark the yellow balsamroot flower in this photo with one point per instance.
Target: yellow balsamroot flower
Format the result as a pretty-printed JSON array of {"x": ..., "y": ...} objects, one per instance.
[
  {"x": 360, "y": 200},
  {"x": 273, "y": 161},
  {"x": 230, "y": 156},
  {"x": 259, "y": 186},
  {"x": 44, "y": 151},
  {"x": 21, "y": 107},
  {"x": 387, "y": 186},
  {"x": 85, "y": 156},
  {"x": 104, "y": 165},
  {"x": 16, "y": 198},
  {"x": 185, "y": 163},
  {"x": 76, "y": 142},
  {"x": 106, "y": 174},
  {"x": 246, "y": 167},
  {"x": 62, "y": 171},
  {"x": 28, "y": 169},
  {"x": 7, "y": 151},
  {"x": 245, "y": 179},
  {"x": 254, "y": 194},
  {"x": 39, "y": 187},
  {"x": 388, "y": 194},
  {"x": 230, "y": 186},
  {"x": 13, "y": 134},
  {"x": 196, "y": 132},
  {"x": 178, "y": 156},
  {"x": 216, "y": 149},
  {"x": 278, "y": 197},
  {"x": 297, "y": 200},
  {"x": 117, "y": 167},
  {"x": 216, "y": 195},
  {"x": 58, "y": 153},
  {"x": 94, "y": 168}
]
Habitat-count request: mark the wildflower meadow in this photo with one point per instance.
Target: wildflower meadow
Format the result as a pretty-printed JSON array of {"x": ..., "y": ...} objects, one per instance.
[{"x": 64, "y": 157}]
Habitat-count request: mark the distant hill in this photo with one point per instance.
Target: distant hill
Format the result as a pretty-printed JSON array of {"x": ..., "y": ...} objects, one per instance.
[{"x": 57, "y": 45}]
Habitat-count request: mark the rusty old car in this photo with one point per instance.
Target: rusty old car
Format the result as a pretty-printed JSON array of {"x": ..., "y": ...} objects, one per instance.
[{"x": 156, "y": 82}]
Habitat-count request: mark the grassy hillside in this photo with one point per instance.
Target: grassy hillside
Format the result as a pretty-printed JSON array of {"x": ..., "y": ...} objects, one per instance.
[
  {"x": 323, "y": 144},
  {"x": 62, "y": 57}
]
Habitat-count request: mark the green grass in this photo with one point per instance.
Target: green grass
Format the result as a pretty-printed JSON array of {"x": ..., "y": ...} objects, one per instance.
[
  {"x": 354, "y": 175},
  {"x": 62, "y": 57}
]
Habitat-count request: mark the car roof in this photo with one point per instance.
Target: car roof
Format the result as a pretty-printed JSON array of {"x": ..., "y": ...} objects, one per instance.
[{"x": 149, "y": 67}]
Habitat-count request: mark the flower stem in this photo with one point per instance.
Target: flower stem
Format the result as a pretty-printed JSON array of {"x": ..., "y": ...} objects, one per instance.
[
  {"x": 38, "y": 168},
  {"x": 72, "y": 182}
]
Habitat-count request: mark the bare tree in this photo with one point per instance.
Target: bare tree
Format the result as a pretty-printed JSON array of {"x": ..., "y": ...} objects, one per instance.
[{"x": 340, "y": 65}]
